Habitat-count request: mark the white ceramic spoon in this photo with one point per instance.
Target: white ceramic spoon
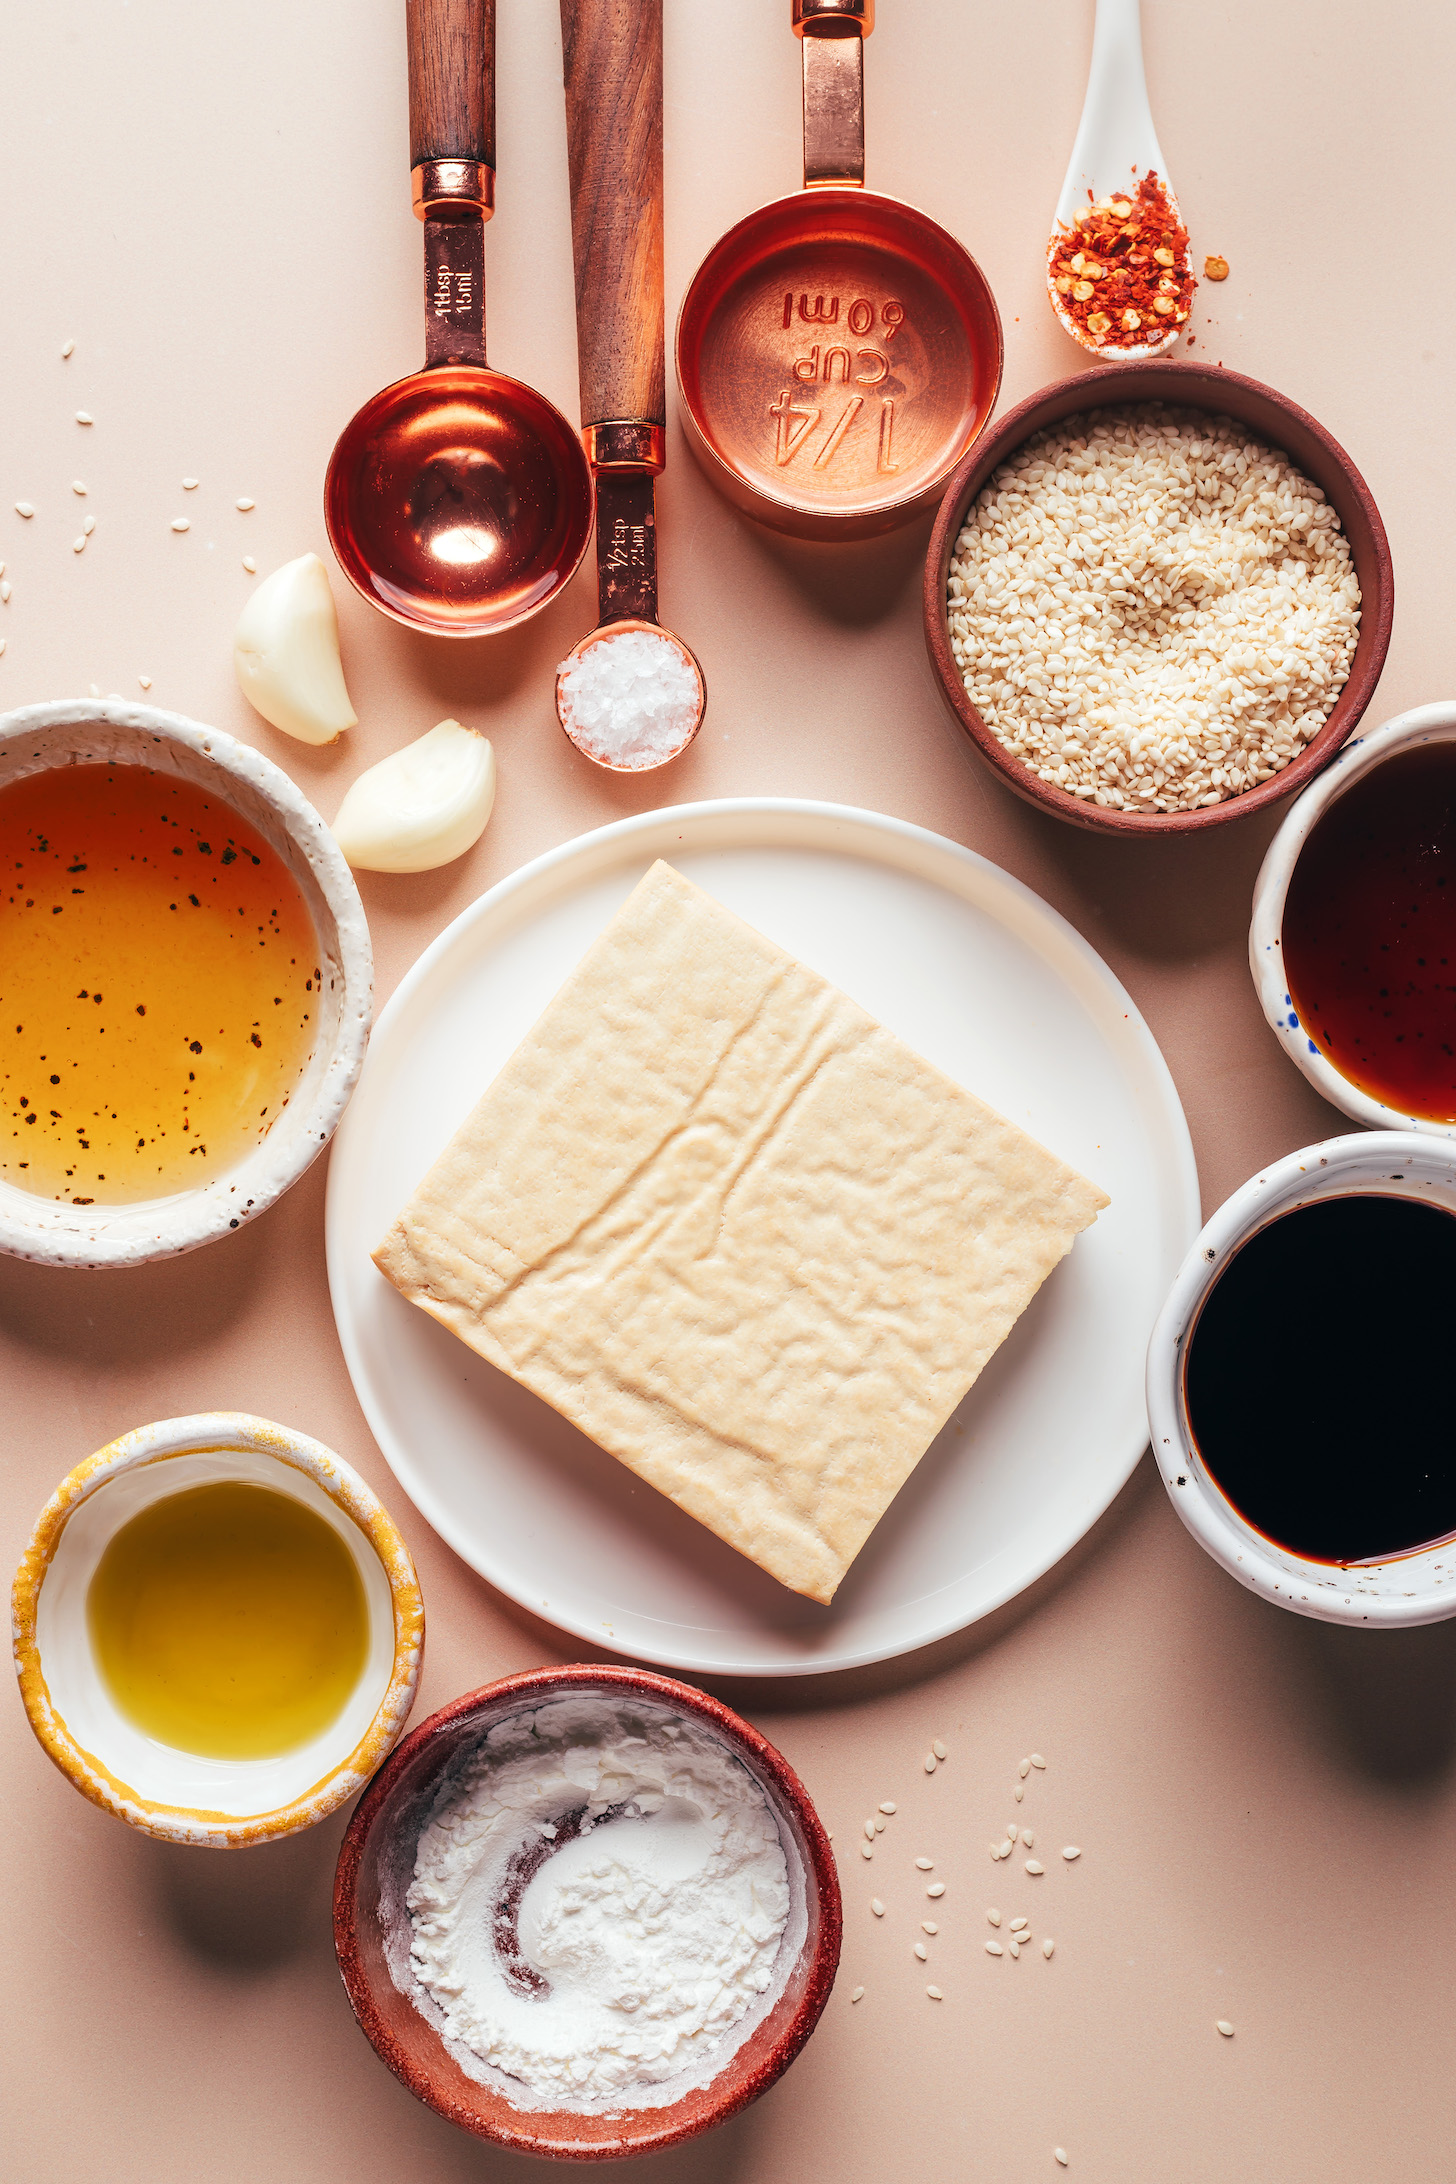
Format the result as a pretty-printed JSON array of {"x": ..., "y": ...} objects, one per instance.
[{"x": 1114, "y": 136}]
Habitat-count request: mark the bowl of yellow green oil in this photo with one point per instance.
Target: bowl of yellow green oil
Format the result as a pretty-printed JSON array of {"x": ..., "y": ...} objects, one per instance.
[{"x": 218, "y": 1629}]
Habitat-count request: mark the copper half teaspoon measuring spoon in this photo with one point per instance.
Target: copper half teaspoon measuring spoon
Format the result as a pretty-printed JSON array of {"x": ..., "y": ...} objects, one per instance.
[
  {"x": 613, "y": 71},
  {"x": 458, "y": 500}
]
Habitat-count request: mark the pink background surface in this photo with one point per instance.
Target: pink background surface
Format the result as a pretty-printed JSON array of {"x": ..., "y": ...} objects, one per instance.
[{"x": 214, "y": 204}]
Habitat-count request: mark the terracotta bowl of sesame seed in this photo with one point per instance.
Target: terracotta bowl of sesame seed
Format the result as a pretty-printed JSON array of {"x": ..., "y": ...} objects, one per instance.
[{"x": 1276, "y": 424}]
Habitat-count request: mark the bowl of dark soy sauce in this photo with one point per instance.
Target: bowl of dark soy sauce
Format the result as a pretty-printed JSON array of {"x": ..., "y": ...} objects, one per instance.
[
  {"x": 1353, "y": 938},
  {"x": 1300, "y": 1395}
]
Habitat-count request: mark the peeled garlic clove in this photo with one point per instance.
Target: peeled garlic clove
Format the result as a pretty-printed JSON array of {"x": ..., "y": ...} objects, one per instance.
[
  {"x": 421, "y": 807},
  {"x": 286, "y": 652}
]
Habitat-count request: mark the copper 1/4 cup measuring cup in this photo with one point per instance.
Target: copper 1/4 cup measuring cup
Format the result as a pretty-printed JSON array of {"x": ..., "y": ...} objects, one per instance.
[
  {"x": 612, "y": 51},
  {"x": 837, "y": 352},
  {"x": 458, "y": 500}
]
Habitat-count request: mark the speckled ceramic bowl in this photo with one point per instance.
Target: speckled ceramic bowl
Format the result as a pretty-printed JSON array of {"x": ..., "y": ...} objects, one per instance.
[
  {"x": 180, "y": 1796},
  {"x": 1360, "y": 757},
  {"x": 79, "y": 732},
  {"x": 1408, "y": 1589},
  {"x": 372, "y": 1931}
]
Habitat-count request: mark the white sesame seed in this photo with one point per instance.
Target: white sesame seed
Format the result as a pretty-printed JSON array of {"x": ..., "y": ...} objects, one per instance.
[
  {"x": 250, "y": 564},
  {"x": 77, "y": 485},
  {"x": 114, "y": 697},
  {"x": 4, "y": 592},
  {"x": 1047, "y": 1947},
  {"x": 1011, "y": 1831},
  {"x": 95, "y": 689},
  {"x": 1005, "y": 1850},
  {"x": 1025, "y": 1769},
  {"x": 869, "y": 1828},
  {"x": 928, "y": 1926},
  {"x": 930, "y": 1763},
  {"x": 856, "y": 1994},
  {"x": 1013, "y": 1948},
  {"x": 69, "y": 350},
  {"x": 145, "y": 681},
  {"x": 1059, "y": 2154},
  {"x": 89, "y": 525},
  {"x": 935, "y": 1994},
  {"x": 190, "y": 485},
  {"x": 84, "y": 417},
  {"x": 24, "y": 508},
  {"x": 1019, "y": 1925},
  {"x": 888, "y": 1805},
  {"x": 866, "y": 1850},
  {"x": 936, "y": 1888},
  {"x": 879, "y": 1827},
  {"x": 1037, "y": 1760},
  {"x": 2, "y": 568},
  {"x": 2, "y": 644},
  {"x": 180, "y": 523},
  {"x": 877, "y": 1907},
  {"x": 1034, "y": 1865},
  {"x": 938, "y": 1748},
  {"x": 1018, "y": 1793},
  {"x": 993, "y": 1917},
  {"x": 245, "y": 504},
  {"x": 78, "y": 545},
  {"x": 926, "y": 1865},
  {"x": 1026, "y": 1837},
  {"x": 995, "y": 1850},
  {"x": 1073, "y": 1850},
  {"x": 1221, "y": 2024},
  {"x": 922, "y": 1952},
  {"x": 994, "y": 1948}
]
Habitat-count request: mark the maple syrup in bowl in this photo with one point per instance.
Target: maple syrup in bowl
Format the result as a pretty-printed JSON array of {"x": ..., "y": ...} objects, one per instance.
[
  {"x": 1353, "y": 939},
  {"x": 184, "y": 983}
]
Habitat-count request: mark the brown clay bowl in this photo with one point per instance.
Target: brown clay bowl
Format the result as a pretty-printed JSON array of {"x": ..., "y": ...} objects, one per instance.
[
  {"x": 376, "y": 1864},
  {"x": 1279, "y": 423}
]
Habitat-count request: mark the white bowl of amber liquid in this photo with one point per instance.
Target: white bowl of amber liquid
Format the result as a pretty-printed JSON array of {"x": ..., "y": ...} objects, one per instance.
[
  {"x": 185, "y": 983},
  {"x": 218, "y": 1630}
]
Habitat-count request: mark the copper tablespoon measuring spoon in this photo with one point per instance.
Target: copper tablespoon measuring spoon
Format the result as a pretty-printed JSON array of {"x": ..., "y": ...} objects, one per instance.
[
  {"x": 457, "y": 500},
  {"x": 628, "y": 706}
]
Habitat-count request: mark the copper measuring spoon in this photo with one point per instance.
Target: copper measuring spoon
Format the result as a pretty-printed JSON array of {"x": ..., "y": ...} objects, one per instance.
[
  {"x": 457, "y": 500},
  {"x": 612, "y": 51},
  {"x": 837, "y": 352}
]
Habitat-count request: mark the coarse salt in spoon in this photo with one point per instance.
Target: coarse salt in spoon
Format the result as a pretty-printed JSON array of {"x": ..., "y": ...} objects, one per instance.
[{"x": 1116, "y": 142}]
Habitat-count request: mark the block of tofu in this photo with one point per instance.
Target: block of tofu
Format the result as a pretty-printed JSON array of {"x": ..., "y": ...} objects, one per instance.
[{"x": 736, "y": 1231}]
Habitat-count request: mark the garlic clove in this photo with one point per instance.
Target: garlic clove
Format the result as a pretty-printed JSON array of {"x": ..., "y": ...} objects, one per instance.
[
  {"x": 422, "y": 806},
  {"x": 286, "y": 653}
]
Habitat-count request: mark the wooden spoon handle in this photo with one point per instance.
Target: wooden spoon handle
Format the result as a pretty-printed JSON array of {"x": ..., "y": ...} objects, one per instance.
[
  {"x": 451, "y": 80},
  {"x": 613, "y": 55}
]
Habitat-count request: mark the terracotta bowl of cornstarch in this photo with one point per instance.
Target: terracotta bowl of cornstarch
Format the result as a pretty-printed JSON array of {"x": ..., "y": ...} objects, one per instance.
[
  {"x": 587, "y": 1912},
  {"x": 1158, "y": 597}
]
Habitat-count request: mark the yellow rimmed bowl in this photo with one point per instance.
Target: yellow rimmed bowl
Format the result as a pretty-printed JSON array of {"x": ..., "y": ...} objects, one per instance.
[{"x": 183, "y": 1797}]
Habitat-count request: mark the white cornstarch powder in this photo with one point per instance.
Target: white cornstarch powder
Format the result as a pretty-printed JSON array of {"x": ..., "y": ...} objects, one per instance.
[
  {"x": 630, "y": 700},
  {"x": 1152, "y": 610},
  {"x": 598, "y": 1901}
]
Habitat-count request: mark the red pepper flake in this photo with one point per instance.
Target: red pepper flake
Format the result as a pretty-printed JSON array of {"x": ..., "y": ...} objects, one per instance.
[{"x": 1121, "y": 270}]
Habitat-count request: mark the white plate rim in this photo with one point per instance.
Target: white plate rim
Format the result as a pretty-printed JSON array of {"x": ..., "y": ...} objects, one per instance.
[{"x": 597, "y": 850}]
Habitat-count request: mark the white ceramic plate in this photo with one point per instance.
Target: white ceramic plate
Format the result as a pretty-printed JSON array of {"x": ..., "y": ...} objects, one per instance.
[{"x": 984, "y": 980}]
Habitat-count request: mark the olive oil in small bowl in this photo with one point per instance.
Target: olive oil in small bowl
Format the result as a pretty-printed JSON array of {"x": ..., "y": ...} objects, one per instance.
[{"x": 218, "y": 1630}]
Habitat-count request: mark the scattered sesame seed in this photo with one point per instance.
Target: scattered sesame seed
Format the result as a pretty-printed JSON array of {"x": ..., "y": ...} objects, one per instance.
[
  {"x": 2, "y": 644},
  {"x": 1037, "y": 1760},
  {"x": 1221, "y": 2024},
  {"x": 69, "y": 350},
  {"x": 1047, "y": 1947},
  {"x": 994, "y": 1948},
  {"x": 926, "y": 1865},
  {"x": 1034, "y": 1865},
  {"x": 24, "y": 508},
  {"x": 4, "y": 593},
  {"x": 190, "y": 485},
  {"x": 856, "y": 1994},
  {"x": 1011, "y": 1831},
  {"x": 84, "y": 417},
  {"x": 250, "y": 564},
  {"x": 879, "y": 1827},
  {"x": 114, "y": 697},
  {"x": 936, "y": 1888},
  {"x": 2, "y": 568},
  {"x": 928, "y": 1926},
  {"x": 869, "y": 1828},
  {"x": 1026, "y": 1837},
  {"x": 1025, "y": 1769},
  {"x": 89, "y": 525},
  {"x": 922, "y": 1952},
  {"x": 993, "y": 1917},
  {"x": 145, "y": 681},
  {"x": 78, "y": 545},
  {"x": 877, "y": 1907},
  {"x": 866, "y": 1850},
  {"x": 889, "y": 1805},
  {"x": 1073, "y": 1850},
  {"x": 78, "y": 485},
  {"x": 935, "y": 1994},
  {"x": 245, "y": 504},
  {"x": 938, "y": 1748},
  {"x": 180, "y": 523},
  {"x": 1018, "y": 1793},
  {"x": 1019, "y": 1925},
  {"x": 1059, "y": 2153},
  {"x": 1005, "y": 1850},
  {"x": 1013, "y": 1948},
  {"x": 930, "y": 1763},
  {"x": 995, "y": 1850},
  {"x": 94, "y": 689}
]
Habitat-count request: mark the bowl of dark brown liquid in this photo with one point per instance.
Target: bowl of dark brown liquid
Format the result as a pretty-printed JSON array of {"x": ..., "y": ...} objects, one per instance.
[
  {"x": 1299, "y": 1383},
  {"x": 1353, "y": 939}
]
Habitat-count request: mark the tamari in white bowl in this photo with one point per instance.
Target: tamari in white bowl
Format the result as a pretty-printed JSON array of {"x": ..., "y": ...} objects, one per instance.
[
  {"x": 1404, "y": 1590},
  {"x": 81, "y": 732},
  {"x": 1359, "y": 758},
  {"x": 182, "y": 1796}
]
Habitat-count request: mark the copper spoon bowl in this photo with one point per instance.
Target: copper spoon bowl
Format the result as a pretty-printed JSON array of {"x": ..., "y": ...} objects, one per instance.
[{"x": 457, "y": 500}]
